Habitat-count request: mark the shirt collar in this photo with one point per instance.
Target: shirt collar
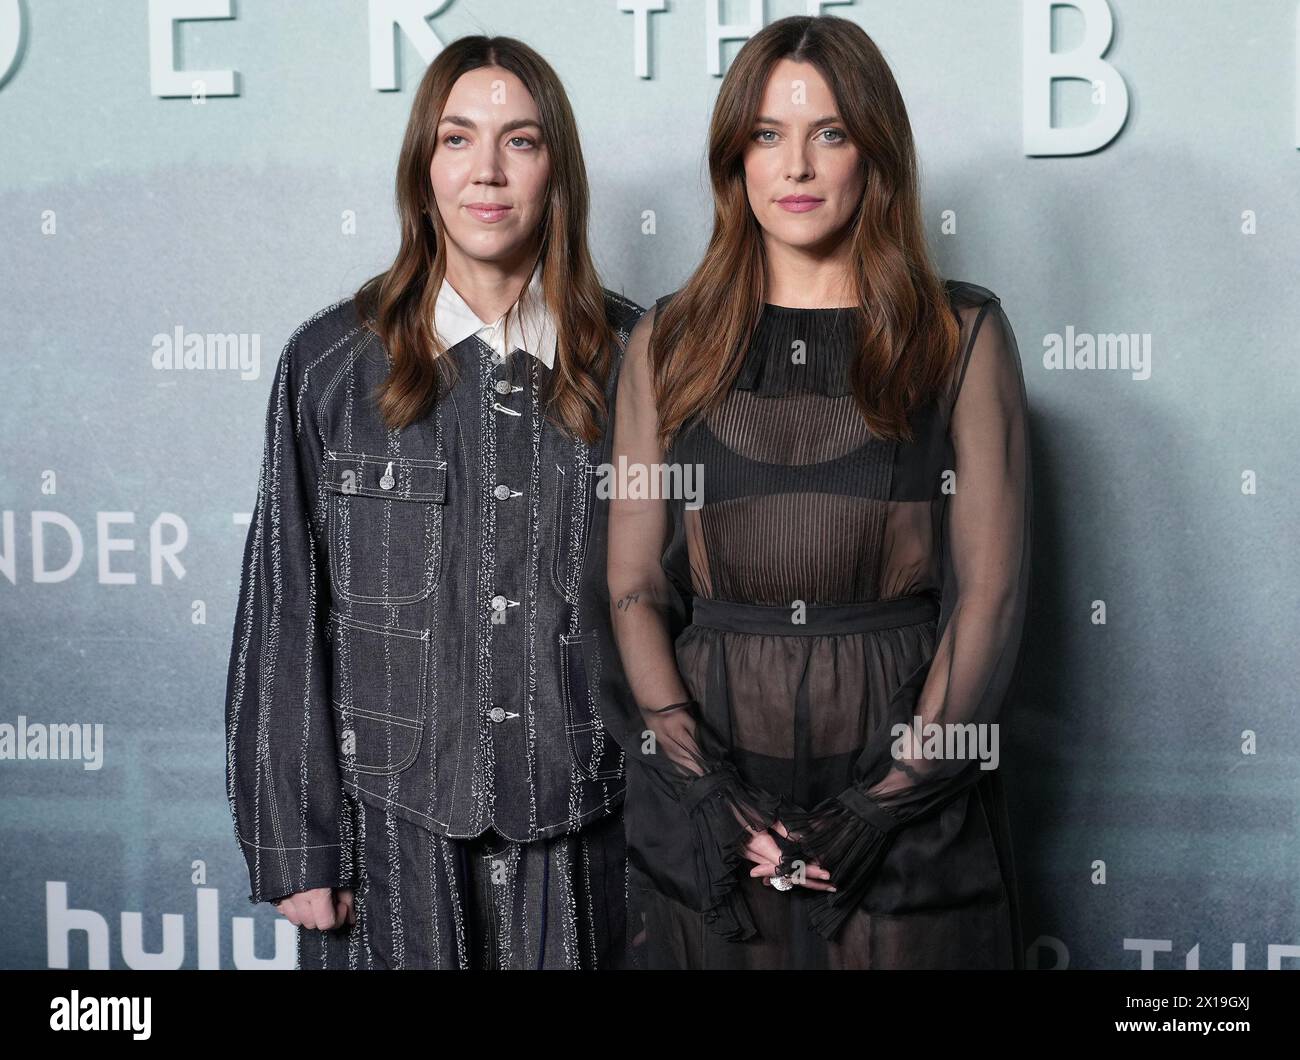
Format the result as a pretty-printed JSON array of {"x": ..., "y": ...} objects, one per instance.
[{"x": 534, "y": 332}]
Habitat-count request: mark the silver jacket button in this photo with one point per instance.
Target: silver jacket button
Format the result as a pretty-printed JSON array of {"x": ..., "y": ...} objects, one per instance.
[
  {"x": 386, "y": 483},
  {"x": 503, "y": 386},
  {"x": 498, "y": 603},
  {"x": 501, "y": 492},
  {"x": 497, "y": 714}
]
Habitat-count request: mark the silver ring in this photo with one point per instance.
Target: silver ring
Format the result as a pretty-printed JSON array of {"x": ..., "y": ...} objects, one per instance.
[{"x": 782, "y": 883}]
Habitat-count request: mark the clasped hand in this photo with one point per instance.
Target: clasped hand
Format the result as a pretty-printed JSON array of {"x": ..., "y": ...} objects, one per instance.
[{"x": 764, "y": 850}]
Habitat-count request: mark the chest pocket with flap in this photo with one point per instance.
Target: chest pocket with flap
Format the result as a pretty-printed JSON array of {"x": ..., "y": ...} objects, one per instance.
[{"x": 385, "y": 526}]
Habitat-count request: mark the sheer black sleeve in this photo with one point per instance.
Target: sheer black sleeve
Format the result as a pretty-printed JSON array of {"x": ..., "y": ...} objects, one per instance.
[
  {"x": 646, "y": 705},
  {"x": 986, "y": 568}
]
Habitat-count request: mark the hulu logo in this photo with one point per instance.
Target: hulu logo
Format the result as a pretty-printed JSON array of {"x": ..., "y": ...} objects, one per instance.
[{"x": 61, "y": 923}]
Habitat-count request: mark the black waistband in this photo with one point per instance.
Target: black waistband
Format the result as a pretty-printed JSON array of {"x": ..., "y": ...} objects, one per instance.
[{"x": 815, "y": 620}]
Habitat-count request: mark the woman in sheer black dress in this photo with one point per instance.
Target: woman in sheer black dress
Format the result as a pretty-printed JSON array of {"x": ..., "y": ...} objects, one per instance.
[{"x": 792, "y": 664}]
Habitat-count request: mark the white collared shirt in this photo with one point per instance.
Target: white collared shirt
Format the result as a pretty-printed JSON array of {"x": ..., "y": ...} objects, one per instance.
[{"x": 533, "y": 332}]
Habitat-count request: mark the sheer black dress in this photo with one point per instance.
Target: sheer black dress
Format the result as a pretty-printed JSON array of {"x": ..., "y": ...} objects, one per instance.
[{"x": 826, "y": 641}]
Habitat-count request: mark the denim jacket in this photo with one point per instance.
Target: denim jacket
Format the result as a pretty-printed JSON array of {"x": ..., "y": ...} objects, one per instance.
[{"x": 408, "y": 633}]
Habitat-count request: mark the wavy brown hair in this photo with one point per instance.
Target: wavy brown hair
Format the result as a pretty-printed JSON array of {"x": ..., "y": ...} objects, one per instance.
[
  {"x": 398, "y": 304},
  {"x": 908, "y": 333}
]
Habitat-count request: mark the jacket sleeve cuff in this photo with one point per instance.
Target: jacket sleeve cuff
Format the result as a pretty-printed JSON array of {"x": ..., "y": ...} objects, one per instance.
[
  {"x": 725, "y": 811},
  {"x": 275, "y": 874},
  {"x": 848, "y": 836}
]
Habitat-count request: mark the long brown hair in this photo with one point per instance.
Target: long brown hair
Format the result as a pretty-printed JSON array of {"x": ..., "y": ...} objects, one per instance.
[
  {"x": 398, "y": 304},
  {"x": 909, "y": 334}
]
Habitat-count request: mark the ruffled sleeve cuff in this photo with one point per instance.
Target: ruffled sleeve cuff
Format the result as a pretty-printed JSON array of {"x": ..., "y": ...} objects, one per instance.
[
  {"x": 848, "y": 836},
  {"x": 724, "y": 811}
]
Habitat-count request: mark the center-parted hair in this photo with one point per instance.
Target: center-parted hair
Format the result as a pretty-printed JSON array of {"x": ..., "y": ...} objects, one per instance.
[
  {"x": 908, "y": 333},
  {"x": 398, "y": 304}
]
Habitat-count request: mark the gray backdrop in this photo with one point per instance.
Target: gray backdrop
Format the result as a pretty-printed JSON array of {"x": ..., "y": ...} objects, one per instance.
[{"x": 1152, "y": 761}]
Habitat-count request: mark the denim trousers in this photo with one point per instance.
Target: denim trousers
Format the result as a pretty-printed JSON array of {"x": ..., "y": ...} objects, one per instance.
[{"x": 427, "y": 901}]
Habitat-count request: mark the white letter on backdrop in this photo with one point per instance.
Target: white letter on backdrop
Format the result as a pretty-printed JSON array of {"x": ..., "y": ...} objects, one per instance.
[
  {"x": 11, "y": 37},
  {"x": 717, "y": 33},
  {"x": 164, "y": 79},
  {"x": 1042, "y": 66},
  {"x": 640, "y": 12},
  {"x": 387, "y": 16}
]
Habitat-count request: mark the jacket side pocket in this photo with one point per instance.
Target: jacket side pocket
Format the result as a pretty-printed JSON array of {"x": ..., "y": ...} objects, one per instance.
[
  {"x": 595, "y": 753},
  {"x": 378, "y": 694}
]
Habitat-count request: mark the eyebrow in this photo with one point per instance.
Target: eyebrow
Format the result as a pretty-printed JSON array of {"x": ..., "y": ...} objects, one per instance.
[
  {"x": 466, "y": 123},
  {"x": 823, "y": 120}
]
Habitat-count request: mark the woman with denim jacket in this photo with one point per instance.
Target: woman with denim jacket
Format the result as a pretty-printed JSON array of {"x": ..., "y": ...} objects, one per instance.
[
  {"x": 416, "y": 766},
  {"x": 817, "y": 638}
]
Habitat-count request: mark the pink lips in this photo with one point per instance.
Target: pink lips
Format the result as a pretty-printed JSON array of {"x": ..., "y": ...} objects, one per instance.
[
  {"x": 490, "y": 212},
  {"x": 799, "y": 203}
]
